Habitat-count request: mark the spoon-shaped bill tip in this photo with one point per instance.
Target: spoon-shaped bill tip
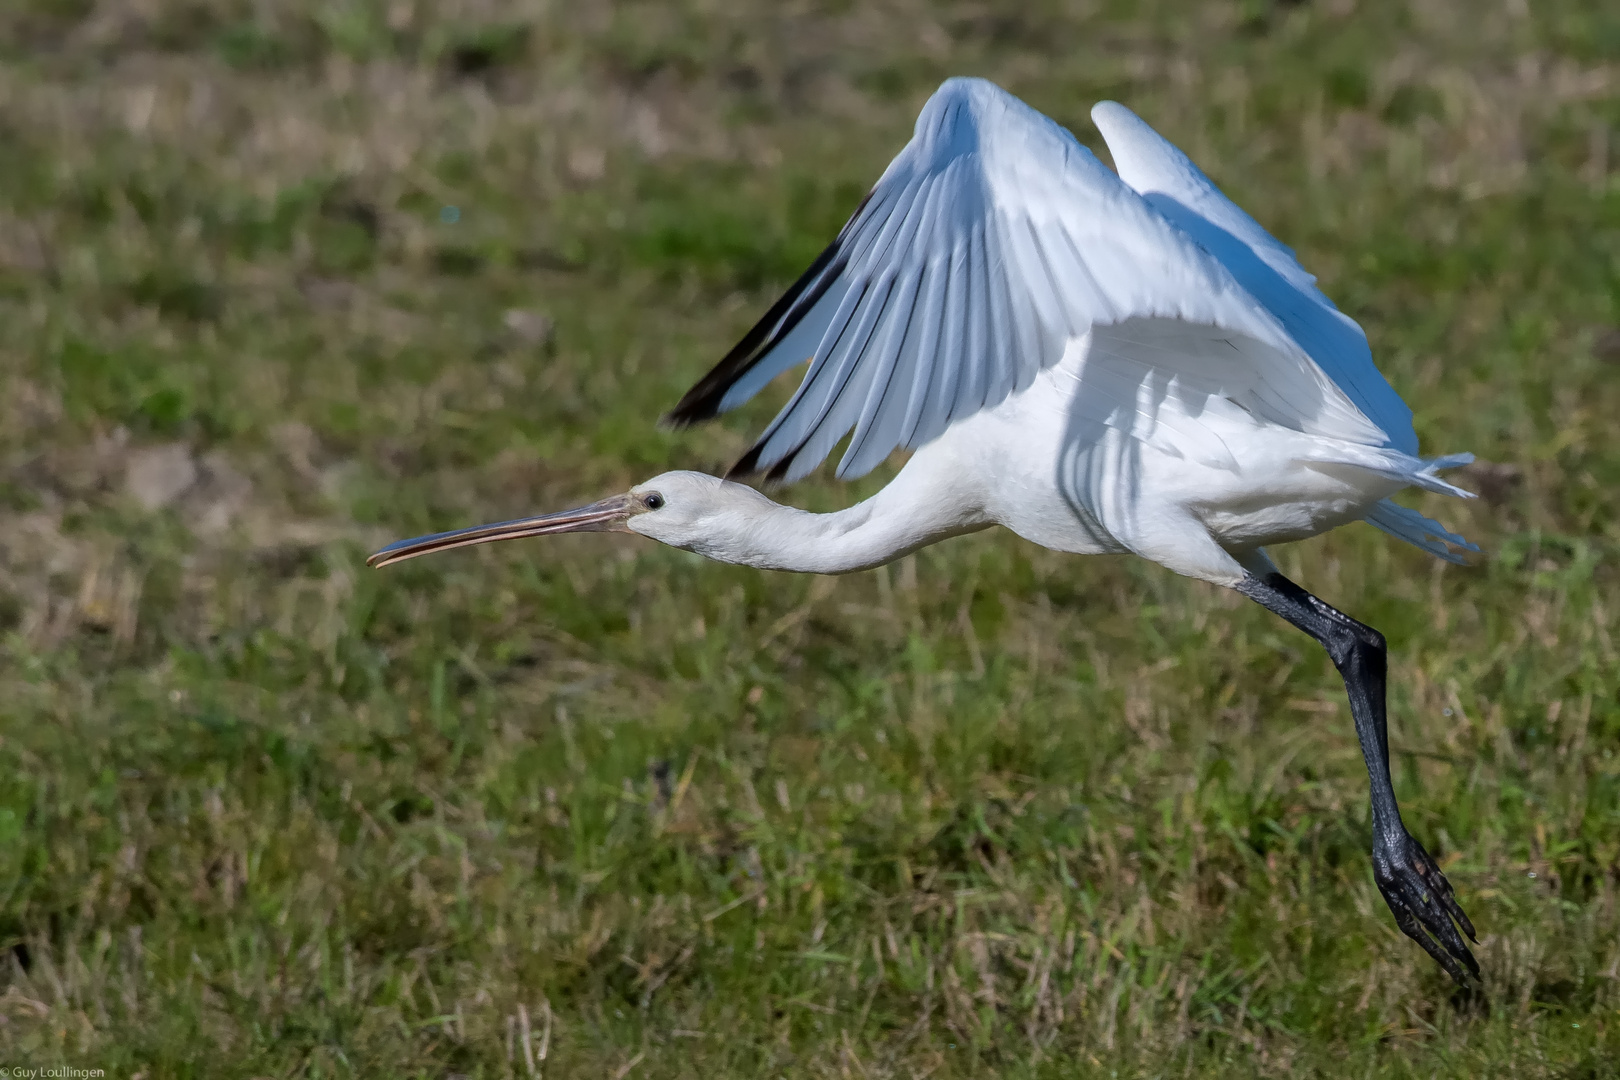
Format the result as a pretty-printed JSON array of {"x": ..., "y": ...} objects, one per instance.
[{"x": 609, "y": 515}]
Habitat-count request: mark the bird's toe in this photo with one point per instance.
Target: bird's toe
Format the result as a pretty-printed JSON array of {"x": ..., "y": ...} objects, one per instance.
[{"x": 1424, "y": 906}]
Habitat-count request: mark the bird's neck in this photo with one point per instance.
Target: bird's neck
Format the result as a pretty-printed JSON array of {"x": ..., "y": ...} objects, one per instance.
[{"x": 919, "y": 507}]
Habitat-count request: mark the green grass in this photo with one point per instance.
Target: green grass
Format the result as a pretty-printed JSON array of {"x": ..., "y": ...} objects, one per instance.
[{"x": 598, "y": 808}]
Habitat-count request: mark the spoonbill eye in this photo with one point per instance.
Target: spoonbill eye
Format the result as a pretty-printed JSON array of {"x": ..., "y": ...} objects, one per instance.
[{"x": 653, "y": 500}]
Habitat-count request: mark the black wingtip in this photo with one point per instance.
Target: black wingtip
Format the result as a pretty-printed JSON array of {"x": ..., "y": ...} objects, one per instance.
[
  {"x": 777, "y": 474},
  {"x": 703, "y": 401},
  {"x": 676, "y": 419},
  {"x": 686, "y": 413},
  {"x": 746, "y": 466}
]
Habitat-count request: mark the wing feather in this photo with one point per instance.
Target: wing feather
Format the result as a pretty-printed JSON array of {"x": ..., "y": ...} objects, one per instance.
[
  {"x": 1269, "y": 270},
  {"x": 928, "y": 362},
  {"x": 885, "y": 401},
  {"x": 944, "y": 382},
  {"x": 976, "y": 349}
]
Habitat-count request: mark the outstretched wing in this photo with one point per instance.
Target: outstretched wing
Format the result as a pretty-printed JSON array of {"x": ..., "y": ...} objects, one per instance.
[
  {"x": 990, "y": 245},
  {"x": 1267, "y": 269}
]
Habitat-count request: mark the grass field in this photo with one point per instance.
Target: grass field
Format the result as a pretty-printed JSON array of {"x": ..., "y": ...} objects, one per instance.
[{"x": 282, "y": 280}]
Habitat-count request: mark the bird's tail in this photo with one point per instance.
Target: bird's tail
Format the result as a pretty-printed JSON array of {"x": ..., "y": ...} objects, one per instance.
[
  {"x": 1398, "y": 521},
  {"x": 1419, "y": 531},
  {"x": 1389, "y": 462}
]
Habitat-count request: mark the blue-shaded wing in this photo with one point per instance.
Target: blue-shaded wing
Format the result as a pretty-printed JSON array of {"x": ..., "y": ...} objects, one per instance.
[
  {"x": 991, "y": 245},
  {"x": 1170, "y": 183}
]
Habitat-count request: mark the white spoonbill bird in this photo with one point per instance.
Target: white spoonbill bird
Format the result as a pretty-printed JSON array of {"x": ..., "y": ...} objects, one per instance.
[{"x": 1098, "y": 362}]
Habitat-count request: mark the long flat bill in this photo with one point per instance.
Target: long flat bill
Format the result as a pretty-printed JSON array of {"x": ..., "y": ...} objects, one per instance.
[{"x": 609, "y": 515}]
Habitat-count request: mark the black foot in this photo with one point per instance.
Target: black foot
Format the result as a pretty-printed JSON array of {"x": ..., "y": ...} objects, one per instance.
[{"x": 1421, "y": 898}]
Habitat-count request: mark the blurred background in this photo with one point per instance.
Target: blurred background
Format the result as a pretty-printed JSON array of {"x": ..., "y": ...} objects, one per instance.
[{"x": 283, "y": 280}]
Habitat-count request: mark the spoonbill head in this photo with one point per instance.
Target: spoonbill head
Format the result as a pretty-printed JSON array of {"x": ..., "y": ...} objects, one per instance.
[{"x": 680, "y": 508}]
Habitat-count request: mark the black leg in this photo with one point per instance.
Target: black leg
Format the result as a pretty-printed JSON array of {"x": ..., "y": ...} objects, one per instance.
[{"x": 1413, "y": 886}]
